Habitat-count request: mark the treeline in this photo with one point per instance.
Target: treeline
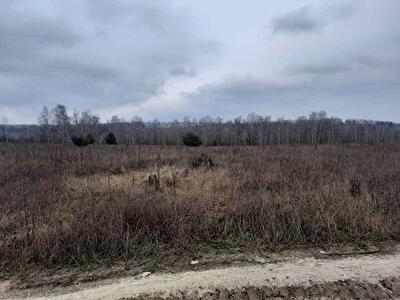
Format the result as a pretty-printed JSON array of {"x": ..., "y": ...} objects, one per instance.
[{"x": 57, "y": 126}]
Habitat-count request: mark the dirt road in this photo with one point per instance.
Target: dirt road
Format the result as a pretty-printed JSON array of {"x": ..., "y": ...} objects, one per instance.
[{"x": 363, "y": 276}]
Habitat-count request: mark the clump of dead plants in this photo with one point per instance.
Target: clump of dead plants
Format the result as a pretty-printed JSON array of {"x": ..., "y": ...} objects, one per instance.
[{"x": 201, "y": 160}]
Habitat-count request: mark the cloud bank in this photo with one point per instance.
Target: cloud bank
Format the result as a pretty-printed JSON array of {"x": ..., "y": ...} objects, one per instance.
[{"x": 170, "y": 59}]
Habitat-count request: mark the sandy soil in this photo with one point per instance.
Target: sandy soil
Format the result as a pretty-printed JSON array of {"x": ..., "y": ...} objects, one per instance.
[{"x": 362, "y": 276}]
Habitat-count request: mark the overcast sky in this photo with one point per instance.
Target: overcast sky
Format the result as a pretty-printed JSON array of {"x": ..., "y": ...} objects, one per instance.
[{"x": 176, "y": 58}]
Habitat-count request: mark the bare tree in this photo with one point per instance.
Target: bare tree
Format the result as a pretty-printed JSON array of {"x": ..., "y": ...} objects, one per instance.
[
  {"x": 61, "y": 119},
  {"x": 137, "y": 130},
  {"x": 86, "y": 122},
  {"x": 44, "y": 121},
  {"x": 254, "y": 130},
  {"x": 4, "y": 122}
]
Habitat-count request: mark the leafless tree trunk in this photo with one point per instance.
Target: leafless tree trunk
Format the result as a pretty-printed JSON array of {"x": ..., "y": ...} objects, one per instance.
[{"x": 4, "y": 121}]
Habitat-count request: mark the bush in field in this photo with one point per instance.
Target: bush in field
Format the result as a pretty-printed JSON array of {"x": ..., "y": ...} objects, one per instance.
[
  {"x": 192, "y": 140},
  {"x": 90, "y": 139},
  {"x": 110, "y": 139},
  {"x": 79, "y": 141}
]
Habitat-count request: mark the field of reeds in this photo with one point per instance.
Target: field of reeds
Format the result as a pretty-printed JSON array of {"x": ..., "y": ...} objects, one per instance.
[{"x": 64, "y": 205}]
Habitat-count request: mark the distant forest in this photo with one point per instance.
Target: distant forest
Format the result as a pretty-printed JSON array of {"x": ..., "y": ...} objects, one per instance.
[{"x": 57, "y": 126}]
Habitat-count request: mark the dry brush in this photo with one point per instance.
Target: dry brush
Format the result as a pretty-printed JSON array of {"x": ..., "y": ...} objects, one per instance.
[{"x": 63, "y": 205}]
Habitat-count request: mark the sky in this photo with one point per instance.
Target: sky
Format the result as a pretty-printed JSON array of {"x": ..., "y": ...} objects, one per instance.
[{"x": 171, "y": 59}]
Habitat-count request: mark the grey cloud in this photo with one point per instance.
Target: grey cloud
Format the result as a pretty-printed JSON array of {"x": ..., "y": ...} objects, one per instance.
[
  {"x": 342, "y": 11},
  {"x": 61, "y": 67},
  {"x": 24, "y": 37},
  {"x": 133, "y": 56},
  {"x": 24, "y": 42},
  {"x": 245, "y": 88},
  {"x": 39, "y": 32},
  {"x": 379, "y": 61},
  {"x": 105, "y": 10},
  {"x": 368, "y": 63},
  {"x": 82, "y": 69},
  {"x": 180, "y": 71},
  {"x": 310, "y": 19},
  {"x": 102, "y": 65},
  {"x": 348, "y": 96},
  {"x": 151, "y": 14},
  {"x": 242, "y": 90},
  {"x": 296, "y": 21},
  {"x": 320, "y": 68}
]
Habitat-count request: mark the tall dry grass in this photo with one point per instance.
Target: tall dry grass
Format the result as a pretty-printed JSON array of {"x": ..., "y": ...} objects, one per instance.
[{"x": 63, "y": 205}]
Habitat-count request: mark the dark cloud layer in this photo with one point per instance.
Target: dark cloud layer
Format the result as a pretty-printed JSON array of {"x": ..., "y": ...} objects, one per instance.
[
  {"x": 108, "y": 53},
  {"x": 24, "y": 38},
  {"x": 310, "y": 19},
  {"x": 369, "y": 99},
  {"x": 296, "y": 21},
  {"x": 320, "y": 69},
  {"x": 168, "y": 59}
]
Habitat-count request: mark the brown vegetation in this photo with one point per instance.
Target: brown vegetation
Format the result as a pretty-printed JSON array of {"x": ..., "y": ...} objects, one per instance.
[{"x": 66, "y": 205}]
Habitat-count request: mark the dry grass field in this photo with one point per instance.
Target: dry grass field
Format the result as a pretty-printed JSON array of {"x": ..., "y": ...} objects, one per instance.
[{"x": 63, "y": 205}]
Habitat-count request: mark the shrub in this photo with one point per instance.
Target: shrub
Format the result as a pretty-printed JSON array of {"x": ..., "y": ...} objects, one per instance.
[
  {"x": 90, "y": 138},
  {"x": 355, "y": 187},
  {"x": 203, "y": 159},
  {"x": 192, "y": 140},
  {"x": 79, "y": 141},
  {"x": 110, "y": 139}
]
